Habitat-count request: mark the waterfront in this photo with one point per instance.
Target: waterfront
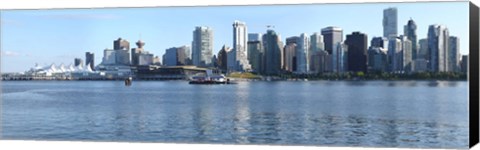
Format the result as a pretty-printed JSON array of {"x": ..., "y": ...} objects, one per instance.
[{"x": 425, "y": 114}]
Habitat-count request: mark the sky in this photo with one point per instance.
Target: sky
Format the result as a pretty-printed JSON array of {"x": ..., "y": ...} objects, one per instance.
[{"x": 60, "y": 35}]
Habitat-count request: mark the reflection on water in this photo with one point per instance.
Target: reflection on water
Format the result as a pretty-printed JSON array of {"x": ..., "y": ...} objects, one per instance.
[{"x": 429, "y": 114}]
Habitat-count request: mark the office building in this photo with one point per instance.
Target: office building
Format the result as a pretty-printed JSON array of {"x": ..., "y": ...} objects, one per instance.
[
  {"x": 255, "y": 53},
  {"x": 331, "y": 36},
  {"x": 272, "y": 46},
  {"x": 78, "y": 62},
  {"x": 438, "y": 40},
  {"x": 390, "y": 17},
  {"x": 202, "y": 46},
  {"x": 357, "y": 51},
  {"x": 453, "y": 54},
  {"x": 289, "y": 59},
  {"x": 90, "y": 60},
  {"x": 410, "y": 31},
  {"x": 240, "y": 60}
]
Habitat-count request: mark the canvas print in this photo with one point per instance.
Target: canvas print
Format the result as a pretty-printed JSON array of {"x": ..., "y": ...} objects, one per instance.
[{"x": 365, "y": 74}]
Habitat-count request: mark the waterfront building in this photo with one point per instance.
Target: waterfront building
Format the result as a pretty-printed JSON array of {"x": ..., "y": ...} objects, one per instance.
[
  {"x": 423, "y": 49},
  {"x": 121, "y": 44},
  {"x": 157, "y": 61},
  {"x": 240, "y": 60},
  {"x": 464, "y": 64},
  {"x": 420, "y": 65},
  {"x": 90, "y": 59},
  {"x": 78, "y": 62},
  {"x": 202, "y": 46},
  {"x": 222, "y": 58},
  {"x": 319, "y": 61},
  {"x": 255, "y": 53},
  {"x": 381, "y": 42},
  {"x": 410, "y": 31},
  {"x": 331, "y": 36},
  {"x": 390, "y": 17},
  {"x": 406, "y": 55},
  {"x": 394, "y": 54},
  {"x": 254, "y": 37},
  {"x": 316, "y": 45},
  {"x": 136, "y": 52},
  {"x": 301, "y": 54},
  {"x": 145, "y": 59},
  {"x": 183, "y": 55},
  {"x": 357, "y": 51},
  {"x": 377, "y": 59},
  {"x": 453, "y": 54},
  {"x": 290, "y": 62},
  {"x": 339, "y": 58},
  {"x": 170, "y": 57},
  {"x": 272, "y": 45},
  {"x": 438, "y": 39}
]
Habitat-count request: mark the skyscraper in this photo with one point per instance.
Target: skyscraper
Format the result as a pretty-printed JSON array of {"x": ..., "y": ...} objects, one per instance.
[
  {"x": 410, "y": 30},
  {"x": 254, "y": 37},
  {"x": 301, "y": 54},
  {"x": 332, "y": 36},
  {"x": 289, "y": 59},
  {"x": 390, "y": 22},
  {"x": 394, "y": 54},
  {"x": 202, "y": 46},
  {"x": 273, "y": 53},
  {"x": 170, "y": 57},
  {"x": 453, "y": 54},
  {"x": 78, "y": 62},
  {"x": 357, "y": 51},
  {"x": 316, "y": 45},
  {"x": 438, "y": 36},
  {"x": 379, "y": 42},
  {"x": 222, "y": 58},
  {"x": 423, "y": 49},
  {"x": 339, "y": 57},
  {"x": 121, "y": 44},
  {"x": 240, "y": 47},
  {"x": 464, "y": 64},
  {"x": 90, "y": 59},
  {"x": 406, "y": 54},
  {"x": 136, "y": 52},
  {"x": 255, "y": 53}
]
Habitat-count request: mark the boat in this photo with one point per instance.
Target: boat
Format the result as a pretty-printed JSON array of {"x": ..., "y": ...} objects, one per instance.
[
  {"x": 128, "y": 81},
  {"x": 215, "y": 79}
]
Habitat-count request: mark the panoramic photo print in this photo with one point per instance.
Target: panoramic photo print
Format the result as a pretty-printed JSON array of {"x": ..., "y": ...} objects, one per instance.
[{"x": 365, "y": 74}]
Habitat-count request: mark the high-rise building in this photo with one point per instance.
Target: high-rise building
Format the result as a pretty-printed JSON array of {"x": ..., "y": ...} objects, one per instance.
[
  {"x": 222, "y": 58},
  {"x": 316, "y": 45},
  {"x": 90, "y": 59},
  {"x": 438, "y": 39},
  {"x": 339, "y": 56},
  {"x": 121, "y": 44},
  {"x": 377, "y": 59},
  {"x": 289, "y": 59},
  {"x": 423, "y": 49},
  {"x": 453, "y": 54},
  {"x": 202, "y": 46},
  {"x": 394, "y": 54},
  {"x": 272, "y": 46},
  {"x": 301, "y": 54},
  {"x": 183, "y": 55},
  {"x": 255, "y": 53},
  {"x": 331, "y": 36},
  {"x": 406, "y": 54},
  {"x": 357, "y": 51},
  {"x": 78, "y": 62},
  {"x": 254, "y": 37},
  {"x": 136, "y": 52},
  {"x": 381, "y": 42},
  {"x": 319, "y": 61},
  {"x": 145, "y": 59},
  {"x": 170, "y": 57},
  {"x": 464, "y": 64},
  {"x": 390, "y": 22},
  {"x": 239, "y": 47},
  {"x": 410, "y": 30}
]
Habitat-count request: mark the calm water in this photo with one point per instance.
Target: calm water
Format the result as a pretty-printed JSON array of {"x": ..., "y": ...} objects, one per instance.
[{"x": 325, "y": 113}]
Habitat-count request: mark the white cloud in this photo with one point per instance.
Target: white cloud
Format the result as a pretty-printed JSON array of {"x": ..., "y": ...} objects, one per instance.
[{"x": 10, "y": 53}]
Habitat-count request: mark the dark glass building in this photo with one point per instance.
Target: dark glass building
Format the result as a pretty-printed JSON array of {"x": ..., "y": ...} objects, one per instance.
[
  {"x": 357, "y": 51},
  {"x": 331, "y": 37},
  {"x": 90, "y": 60},
  {"x": 410, "y": 30},
  {"x": 273, "y": 53}
]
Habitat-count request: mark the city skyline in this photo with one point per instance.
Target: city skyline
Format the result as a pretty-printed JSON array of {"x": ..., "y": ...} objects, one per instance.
[{"x": 63, "y": 47}]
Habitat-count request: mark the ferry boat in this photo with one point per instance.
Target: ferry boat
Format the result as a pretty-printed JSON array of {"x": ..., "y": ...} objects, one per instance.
[{"x": 209, "y": 78}]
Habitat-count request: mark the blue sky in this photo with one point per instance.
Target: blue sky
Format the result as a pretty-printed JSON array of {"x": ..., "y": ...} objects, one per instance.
[{"x": 60, "y": 35}]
